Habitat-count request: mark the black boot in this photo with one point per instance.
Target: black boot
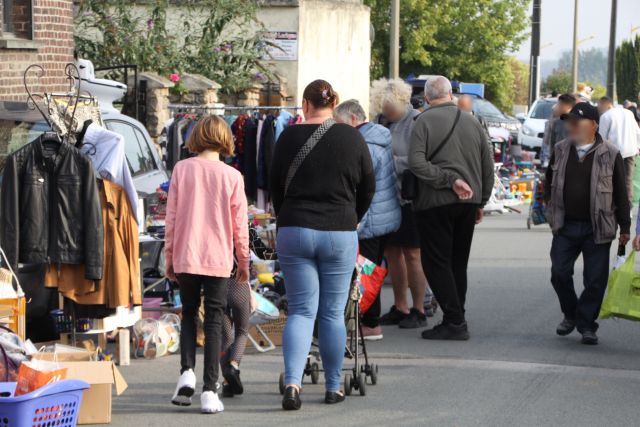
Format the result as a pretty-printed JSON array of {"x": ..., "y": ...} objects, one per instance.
[{"x": 291, "y": 400}]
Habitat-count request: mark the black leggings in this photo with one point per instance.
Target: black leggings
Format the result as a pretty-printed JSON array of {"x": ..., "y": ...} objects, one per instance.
[
  {"x": 215, "y": 300},
  {"x": 235, "y": 325}
]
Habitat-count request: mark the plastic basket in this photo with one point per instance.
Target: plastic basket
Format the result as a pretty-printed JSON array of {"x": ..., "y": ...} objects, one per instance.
[{"x": 56, "y": 404}]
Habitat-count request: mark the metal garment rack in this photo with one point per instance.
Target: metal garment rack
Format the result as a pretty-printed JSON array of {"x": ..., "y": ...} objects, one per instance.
[{"x": 186, "y": 108}]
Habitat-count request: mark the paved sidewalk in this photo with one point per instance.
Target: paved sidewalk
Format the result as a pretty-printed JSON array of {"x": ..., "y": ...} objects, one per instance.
[{"x": 513, "y": 372}]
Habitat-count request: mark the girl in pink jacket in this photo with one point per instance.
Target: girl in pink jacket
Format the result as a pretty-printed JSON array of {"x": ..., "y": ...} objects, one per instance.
[{"x": 206, "y": 219}]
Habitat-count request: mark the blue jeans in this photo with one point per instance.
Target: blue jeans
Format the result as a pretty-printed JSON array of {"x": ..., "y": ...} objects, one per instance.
[
  {"x": 317, "y": 267},
  {"x": 573, "y": 239}
]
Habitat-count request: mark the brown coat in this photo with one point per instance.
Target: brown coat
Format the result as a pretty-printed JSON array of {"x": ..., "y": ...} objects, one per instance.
[{"x": 120, "y": 284}]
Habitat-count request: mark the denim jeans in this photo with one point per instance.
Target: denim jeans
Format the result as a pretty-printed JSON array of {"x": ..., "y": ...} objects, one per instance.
[
  {"x": 215, "y": 301},
  {"x": 572, "y": 240},
  {"x": 317, "y": 267}
]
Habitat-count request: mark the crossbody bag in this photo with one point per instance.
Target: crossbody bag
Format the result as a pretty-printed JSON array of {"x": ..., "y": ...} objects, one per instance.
[
  {"x": 304, "y": 151},
  {"x": 409, "y": 187}
]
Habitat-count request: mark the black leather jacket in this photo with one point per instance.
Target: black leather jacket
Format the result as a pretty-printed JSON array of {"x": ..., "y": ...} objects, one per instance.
[{"x": 50, "y": 207}]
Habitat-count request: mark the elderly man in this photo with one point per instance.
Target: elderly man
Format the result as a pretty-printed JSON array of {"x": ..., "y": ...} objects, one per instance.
[
  {"x": 384, "y": 214},
  {"x": 587, "y": 202},
  {"x": 618, "y": 126},
  {"x": 450, "y": 156}
]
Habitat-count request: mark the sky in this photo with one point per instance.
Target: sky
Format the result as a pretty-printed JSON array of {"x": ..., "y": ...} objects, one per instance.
[{"x": 593, "y": 21}]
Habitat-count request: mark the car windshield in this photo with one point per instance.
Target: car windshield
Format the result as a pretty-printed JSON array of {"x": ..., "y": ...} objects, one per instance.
[
  {"x": 482, "y": 107},
  {"x": 15, "y": 135},
  {"x": 542, "y": 110}
]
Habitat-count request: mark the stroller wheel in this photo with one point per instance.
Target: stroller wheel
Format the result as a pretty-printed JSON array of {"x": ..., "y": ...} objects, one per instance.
[
  {"x": 348, "y": 384},
  {"x": 281, "y": 383},
  {"x": 362, "y": 385},
  {"x": 374, "y": 374},
  {"x": 315, "y": 373}
]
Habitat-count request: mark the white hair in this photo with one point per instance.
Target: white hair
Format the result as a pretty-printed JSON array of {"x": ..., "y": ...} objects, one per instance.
[
  {"x": 350, "y": 108},
  {"x": 395, "y": 93},
  {"x": 437, "y": 87}
]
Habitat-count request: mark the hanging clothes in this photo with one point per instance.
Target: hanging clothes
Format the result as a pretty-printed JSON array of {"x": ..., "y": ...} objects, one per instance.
[
  {"x": 50, "y": 207},
  {"x": 250, "y": 167},
  {"x": 106, "y": 149},
  {"x": 265, "y": 151},
  {"x": 282, "y": 122},
  {"x": 120, "y": 285}
]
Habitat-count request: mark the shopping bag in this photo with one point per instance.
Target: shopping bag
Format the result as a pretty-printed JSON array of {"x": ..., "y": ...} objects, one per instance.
[
  {"x": 623, "y": 295},
  {"x": 371, "y": 278},
  {"x": 38, "y": 373}
]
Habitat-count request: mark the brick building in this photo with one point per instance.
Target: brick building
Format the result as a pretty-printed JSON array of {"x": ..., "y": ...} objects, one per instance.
[{"x": 34, "y": 32}]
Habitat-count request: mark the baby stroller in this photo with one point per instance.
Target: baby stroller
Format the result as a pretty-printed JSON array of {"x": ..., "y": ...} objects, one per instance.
[
  {"x": 355, "y": 349},
  {"x": 537, "y": 214}
]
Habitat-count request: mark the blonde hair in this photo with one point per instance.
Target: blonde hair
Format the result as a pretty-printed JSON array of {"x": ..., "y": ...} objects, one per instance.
[
  {"x": 211, "y": 133},
  {"x": 389, "y": 92}
]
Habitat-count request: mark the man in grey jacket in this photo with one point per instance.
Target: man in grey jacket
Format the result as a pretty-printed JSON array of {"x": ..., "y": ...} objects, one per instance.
[{"x": 455, "y": 180}]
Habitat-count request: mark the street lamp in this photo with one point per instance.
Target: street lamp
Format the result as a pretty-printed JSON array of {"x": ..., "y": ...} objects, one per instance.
[
  {"x": 574, "y": 74},
  {"x": 634, "y": 29}
]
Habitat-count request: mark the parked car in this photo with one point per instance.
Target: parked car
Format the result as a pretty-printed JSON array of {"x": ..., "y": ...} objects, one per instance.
[
  {"x": 19, "y": 126},
  {"x": 481, "y": 106},
  {"x": 532, "y": 130}
]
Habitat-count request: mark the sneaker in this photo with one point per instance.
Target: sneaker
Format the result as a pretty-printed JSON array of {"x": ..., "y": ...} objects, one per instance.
[
  {"x": 589, "y": 337},
  {"x": 566, "y": 327},
  {"x": 414, "y": 320},
  {"x": 447, "y": 331},
  {"x": 393, "y": 317},
  {"x": 210, "y": 403},
  {"x": 371, "y": 334},
  {"x": 185, "y": 389},
  {"x": 232, "y": 376}
]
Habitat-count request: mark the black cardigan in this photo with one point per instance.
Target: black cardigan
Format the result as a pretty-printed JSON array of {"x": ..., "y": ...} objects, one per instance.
[{"x": 333, "y": 187}]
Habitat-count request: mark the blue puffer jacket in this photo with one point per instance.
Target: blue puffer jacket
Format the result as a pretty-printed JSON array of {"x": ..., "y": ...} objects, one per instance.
[{"x": 384, "y": 215}]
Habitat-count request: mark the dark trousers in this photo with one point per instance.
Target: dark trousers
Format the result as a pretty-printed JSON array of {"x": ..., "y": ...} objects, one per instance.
[
  {"x": 573, "y": 239},
  {"x": 446, "y": 233},
  {"x": 215, "y": 301},
  {"x": 373, "y": 250}
]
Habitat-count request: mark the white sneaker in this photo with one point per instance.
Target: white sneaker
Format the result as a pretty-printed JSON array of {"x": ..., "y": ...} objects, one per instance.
[
  {"x": 210, "y": 403},
  {"x": 185, "y": 389}
]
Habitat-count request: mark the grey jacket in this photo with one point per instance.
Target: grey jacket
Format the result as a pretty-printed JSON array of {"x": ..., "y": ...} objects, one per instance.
[
  {"x": 603, "y": 219},
  {"x": 465, "y": 156}
]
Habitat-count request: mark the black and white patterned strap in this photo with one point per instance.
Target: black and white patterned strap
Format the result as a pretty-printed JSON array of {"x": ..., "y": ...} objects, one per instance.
[{"x": 305, "y": 150}]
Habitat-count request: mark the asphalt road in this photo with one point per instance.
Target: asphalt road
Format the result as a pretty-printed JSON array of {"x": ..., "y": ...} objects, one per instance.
[{"x": 513, "y": 372}]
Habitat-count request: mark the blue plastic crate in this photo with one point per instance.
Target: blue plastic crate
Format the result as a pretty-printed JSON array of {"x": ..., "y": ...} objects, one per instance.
[{"x": 54, "y": 405}]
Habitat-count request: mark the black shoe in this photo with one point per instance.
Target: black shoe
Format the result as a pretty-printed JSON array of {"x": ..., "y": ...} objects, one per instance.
[
  {"x": 589, "y": 337},
  {"x": 332, "y": 397},
  {"x": 227, "y": 391},
  {"x": 447, "y": 331},
  {"x": 232, "y": 376},
  {"x": 566, "y": 327},
  {"x": 414, "y": 320},
  {"x": 291, "y": 400},
  {"x": 393, "y": 317}
]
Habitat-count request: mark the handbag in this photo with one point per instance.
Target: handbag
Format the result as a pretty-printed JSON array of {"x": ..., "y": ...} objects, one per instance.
[
  {"x": 313, "y": 140},
  {"x": 623, "y": 292},
  {"x": 409, "y": 186}
]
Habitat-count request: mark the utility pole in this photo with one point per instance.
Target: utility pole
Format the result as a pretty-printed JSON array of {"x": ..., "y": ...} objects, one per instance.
[
  {"x": 574, "y": 73},
  {"x": 394, "y": 45},
  {"x": 534, "y": 60},
  {"x": 611, "y": 59}
]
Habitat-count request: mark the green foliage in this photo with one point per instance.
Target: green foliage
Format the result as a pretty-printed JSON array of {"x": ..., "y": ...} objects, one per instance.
[
  {"x": 558, "y": 81},
  {"x": 206, "y": 40},
  {"x": 628, "y": 69},
  {"x": 592, "y": 64},
  {"x": 468, "y": 40},
  {"x": 520, "y": 85}
]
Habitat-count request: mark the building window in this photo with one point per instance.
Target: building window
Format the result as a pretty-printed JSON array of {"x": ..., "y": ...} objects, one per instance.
[{"x": 16, "y": 18}]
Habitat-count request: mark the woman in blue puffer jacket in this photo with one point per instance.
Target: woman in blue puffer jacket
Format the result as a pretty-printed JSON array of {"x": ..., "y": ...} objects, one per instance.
[{"x": 384, "y": 215}]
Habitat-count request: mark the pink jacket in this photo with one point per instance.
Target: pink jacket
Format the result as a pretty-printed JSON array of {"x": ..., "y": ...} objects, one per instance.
[{"x": 206, "y": 218}]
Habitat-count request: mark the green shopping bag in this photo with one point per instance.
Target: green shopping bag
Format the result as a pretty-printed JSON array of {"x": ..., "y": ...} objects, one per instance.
[{"x": 623, "y": 296}]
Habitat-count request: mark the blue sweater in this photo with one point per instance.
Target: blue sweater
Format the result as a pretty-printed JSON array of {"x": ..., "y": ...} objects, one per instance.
[{"x": 384, "y": 215}]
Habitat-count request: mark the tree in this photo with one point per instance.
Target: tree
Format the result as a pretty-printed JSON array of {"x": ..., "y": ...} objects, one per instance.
[
  {"x": 628, "y": 69},
  {"x": 207, "y": 42},
  {"x": 520, "y": 85},
  {"x": 592, "y": 65},
  {"x": 467, "y": 40},
  {"x": 559, "y": 81}
]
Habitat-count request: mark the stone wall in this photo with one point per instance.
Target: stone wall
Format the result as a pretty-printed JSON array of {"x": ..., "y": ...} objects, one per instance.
[{"x": 42, "y": 35}]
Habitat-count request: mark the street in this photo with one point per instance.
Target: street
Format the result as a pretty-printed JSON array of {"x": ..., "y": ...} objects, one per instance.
[{"x": 515, "y": 371}]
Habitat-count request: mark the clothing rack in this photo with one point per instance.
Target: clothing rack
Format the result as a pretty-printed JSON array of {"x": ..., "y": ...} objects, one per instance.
[{"x": 220, "y": 109}]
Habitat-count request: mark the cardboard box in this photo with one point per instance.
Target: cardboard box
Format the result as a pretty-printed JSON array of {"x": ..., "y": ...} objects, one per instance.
[{"x": 96, "y": 403}]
